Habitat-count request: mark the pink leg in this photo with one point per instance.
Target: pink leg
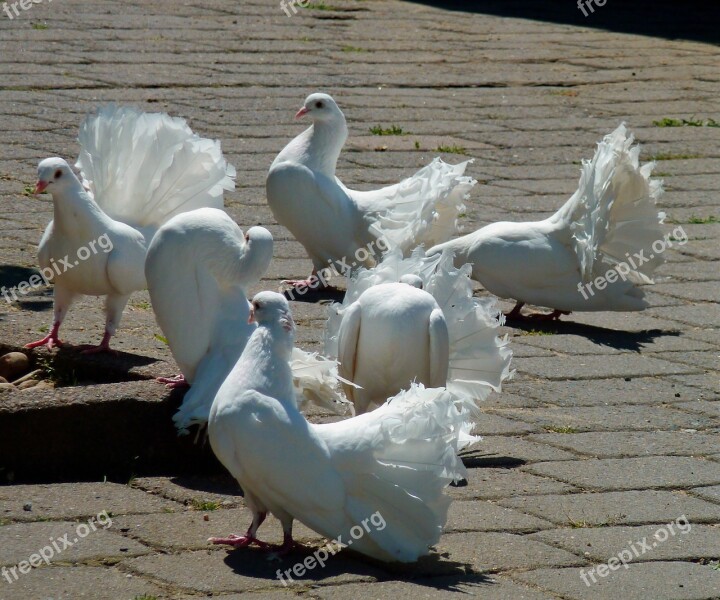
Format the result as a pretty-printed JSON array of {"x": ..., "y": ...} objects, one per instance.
[
  {"x": 246, "y": 540},
  {"x": 104, "y": 346},
  {"x": 313, "y": 282},
  {"x": 175, "y": 382},
  {"x": 51, "y": 339}
]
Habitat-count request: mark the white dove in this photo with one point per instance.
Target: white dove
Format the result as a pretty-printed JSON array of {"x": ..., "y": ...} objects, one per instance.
[
  {"x": 198, "y": 268},
  {"x": 138, "y": 170},
  {"x": 388, "y": 333},
  {"x": 393, "y": 462},
  {"x": 342, "y": 228},
  {"x": 591, "y": 254}
]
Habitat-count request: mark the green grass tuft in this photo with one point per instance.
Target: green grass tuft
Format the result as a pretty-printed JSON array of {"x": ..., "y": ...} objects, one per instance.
[
  {"x": 392, "y": 130},
  {"x": 454, "y": 149}
]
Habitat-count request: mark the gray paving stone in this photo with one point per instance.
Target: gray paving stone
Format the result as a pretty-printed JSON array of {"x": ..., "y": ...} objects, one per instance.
[
  {"x": 501, "y": 551},
  {"x": 585, "y": 367},
  {"x": 497, "y": 448},
  {"x": 75, "y": 500},
  {"x": 656, "y": 580},
  {"x": 606, "y": 392},
  {"x": 711, "y": 493},
  {"x": 68, "y": 583},
  {"x": 75, "y": 542},
  {"x": 617, "y": 508},
  {"x": 476, "y": 515},
  {"x": 676, "y": 540},
  {"x": 488, "y": 484},
  {"x": 683, "y": 442},
  {"x": 189, "y": 530},
  {"x": 631, "y": 473},
  {"x": 489, "y": 588},
  {"x": 601, "y": 418}
]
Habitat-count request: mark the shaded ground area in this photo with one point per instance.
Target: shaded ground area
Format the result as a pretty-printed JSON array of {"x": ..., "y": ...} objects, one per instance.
[{"x": 607, "y": 433}]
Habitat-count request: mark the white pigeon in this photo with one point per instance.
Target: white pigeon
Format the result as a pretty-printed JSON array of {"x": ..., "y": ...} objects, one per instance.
[
  {"x": 388, "y": 333},
  {"x": 342, "y": 228},
  {"x": 610, "y": 221},
  {"x": 198, "y": 268},
  {"x": 393, "y": 462},
  {"x": 138, "y": 170}
]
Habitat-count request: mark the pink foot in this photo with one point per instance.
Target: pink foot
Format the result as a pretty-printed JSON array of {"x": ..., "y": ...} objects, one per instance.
[
  {"x": 49, "y": 340},
  {"x": 239, "y": 541},
  {"x": 175, "y": 382},
  {"x": 103, "y": 346},
  {"x": 309, "y": 282}
]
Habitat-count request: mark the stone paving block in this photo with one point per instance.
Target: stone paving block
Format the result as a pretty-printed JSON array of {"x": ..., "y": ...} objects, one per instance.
[
  {"x": 76, "y": 500},
  {"x": 631, "y": 473},
  {"x": 683, "y": 442},
  {"x": 501, "y": 551},
  {"x": 605, "y": 392},
  {"x": 497, "y": 448},
  {"x": 600, "y": 418},
  {"x": 190, "y": 529},
  {"x": 711, "y": 493},
  {"x": 490, "y": 424},
  {"x": 69, "y": 583},
  {"x": 617, "y": 508},
  {"x": 499, "y": 483},
  {"x": 244, "y": 570},
  {"x": 75, "y": 542},
  {"x": 676, "y": 540},
  {"x": 704, "y": 407},
  {"x": 222, "y": 489},
  {"x": 656, "y": 580},
  {"x": 488, "y": 588},
  {"x": 585, "y": 367},
  {"x": 475, "y": 515},
  {"x": 708, "y": 382}
]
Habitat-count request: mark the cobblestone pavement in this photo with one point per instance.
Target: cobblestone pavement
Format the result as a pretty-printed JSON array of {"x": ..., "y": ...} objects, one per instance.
[{"x": 608, "y": 432}]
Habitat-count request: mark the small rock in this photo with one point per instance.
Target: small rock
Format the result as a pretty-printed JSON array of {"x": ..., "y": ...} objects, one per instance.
[
  {"x": 27, "y": 507},
  {"x": 206, "y": 517},
  {"x": 3, "y": 380},
  {"x": 28, "y": 384},
  {"x": 677, "y": 394},
  {"x": 45, "y": 385},
  {"x": 6, "y": 387},
  {"x": 13, "y": 365}
]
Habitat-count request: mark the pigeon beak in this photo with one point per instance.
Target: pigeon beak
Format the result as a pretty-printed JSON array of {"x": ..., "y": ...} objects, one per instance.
[
  {"x": 40, "y": 187},
  {"x": 302, "y": 112},
  {"x": 251, "y": 316}
]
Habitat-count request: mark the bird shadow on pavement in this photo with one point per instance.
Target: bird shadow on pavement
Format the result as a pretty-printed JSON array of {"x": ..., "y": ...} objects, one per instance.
[
  {"x": 434, "y": 571},
  {"x": 602, "y": 336},
  {"x": 657, "y": 18},
  {"x": 328, "y": 294}
]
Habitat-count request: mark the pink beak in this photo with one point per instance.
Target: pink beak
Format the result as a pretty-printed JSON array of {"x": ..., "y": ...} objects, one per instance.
[
  {"x": 251, "y": 316},
  {"x": 302, "y": 112},
  {"x": 40, "y": 187}
]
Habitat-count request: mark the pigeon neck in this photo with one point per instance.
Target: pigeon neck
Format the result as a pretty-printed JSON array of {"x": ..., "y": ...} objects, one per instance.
[
  {"x": 74, "y": 210},
  {"x": 323, "y": 145},
  {"x": 265, "y": 361}
]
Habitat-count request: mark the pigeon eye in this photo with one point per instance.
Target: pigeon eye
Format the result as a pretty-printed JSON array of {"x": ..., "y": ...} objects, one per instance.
[
  {"x": 319, "y": 104},
  {"x": 58, "y": 174}
]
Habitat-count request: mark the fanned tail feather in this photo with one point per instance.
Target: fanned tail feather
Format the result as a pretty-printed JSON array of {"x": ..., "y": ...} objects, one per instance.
[
  {"x": 315, "y": 379},
  {"x": 479, "y": 358},
  {"x": 613, "y": 214},
  {"x": 422, "y": 209},
  {"x": 144, "y": 168}
]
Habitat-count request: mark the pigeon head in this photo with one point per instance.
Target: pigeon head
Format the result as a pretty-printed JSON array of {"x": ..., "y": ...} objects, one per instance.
[
  {"x": 259, "y": 253},
  {"x": 54, "y": 175},
  {"x": 269, "y": 308},
  {"x": 320, "y": 107},
  {"x": 412, "y": 280}
]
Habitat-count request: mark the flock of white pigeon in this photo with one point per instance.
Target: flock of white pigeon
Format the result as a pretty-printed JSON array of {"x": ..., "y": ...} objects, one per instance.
[{"x": 410, "y": 351}]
